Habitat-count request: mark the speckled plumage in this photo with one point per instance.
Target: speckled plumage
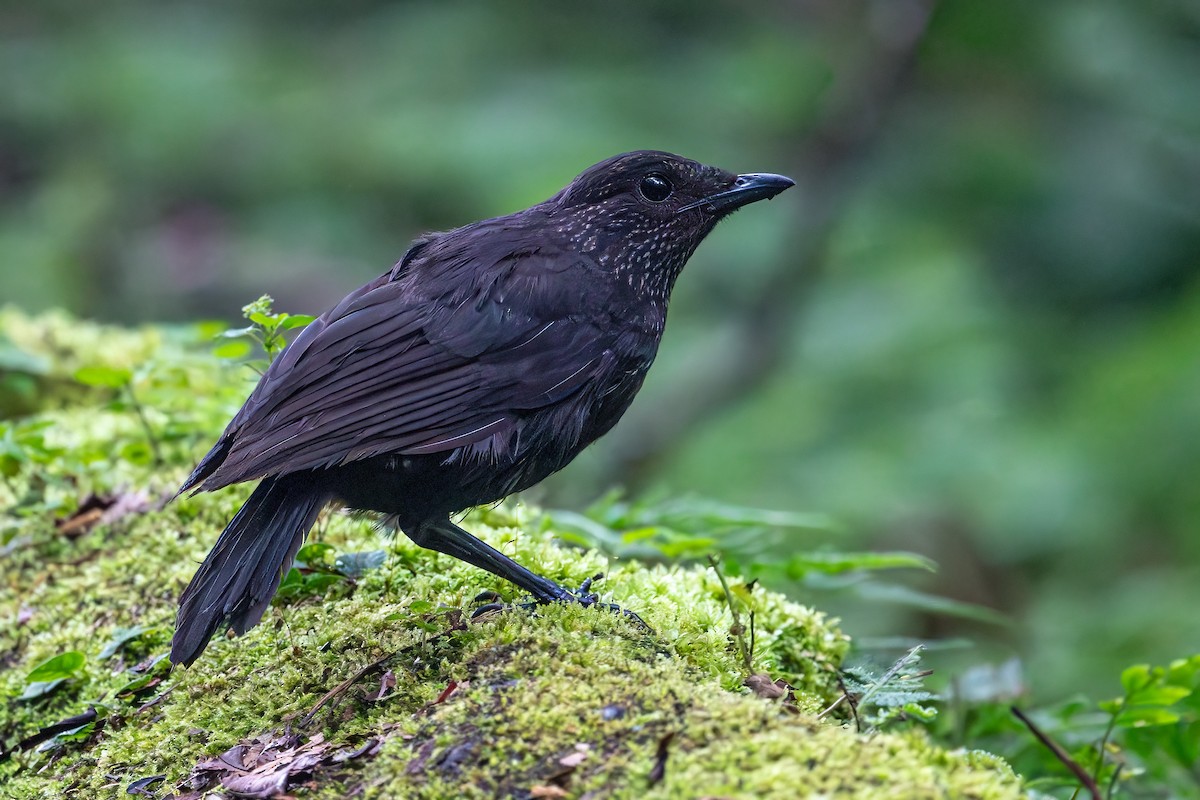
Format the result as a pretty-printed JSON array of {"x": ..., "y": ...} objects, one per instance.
[{"x": 483, "y": 361}]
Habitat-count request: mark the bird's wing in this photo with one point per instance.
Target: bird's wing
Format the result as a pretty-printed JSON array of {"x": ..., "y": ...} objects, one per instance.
[{"x": 394, "y": 369}]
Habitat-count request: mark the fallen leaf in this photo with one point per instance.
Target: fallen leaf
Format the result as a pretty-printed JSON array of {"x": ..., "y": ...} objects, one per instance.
[
  {"x": 95, "y": 509},
  {"x": 451, "y": 688},
  {"x": 266, "y": 766},
  {"x": 659, "y": 771},
  {"x": 126, "y": 503},
  {"x": 386, "y": 684},
  {"x": 547, "y": 791},
  {"x": 122, "y": 637},
  {"x": 89, "y": 512},
  {"x": 575, "y": 759},
  {"x": 762, "y": 685},
  {"x": 417, "y": 765},
  {"x": 50, "y": 731},
  {"x": 142, "y": 786}
]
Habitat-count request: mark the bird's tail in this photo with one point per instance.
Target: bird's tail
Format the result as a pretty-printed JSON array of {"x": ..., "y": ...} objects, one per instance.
[{"x": 239, "y": 577}]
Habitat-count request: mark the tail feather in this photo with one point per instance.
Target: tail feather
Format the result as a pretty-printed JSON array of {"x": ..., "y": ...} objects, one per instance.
[{"x": 239, "y": 577}]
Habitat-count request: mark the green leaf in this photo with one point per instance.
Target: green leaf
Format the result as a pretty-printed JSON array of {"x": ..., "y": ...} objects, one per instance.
[
  {"x": 122, "y": 637},
  {"x": 1184, "y": 672},
  {"x": 1159, "y": 696},
  {"x": 265, "y": 320},
  {"x": 320, "y": 581},
  {"x": 420, "y": 606},
  {"x": 207, "y": 329},
  {"x": 1142, "y": 717},
  {"x": 296, "y": 321},
  {"x": 638, "y": 535},
  {"x": 902, "y": 595},
  {"x": 40, "y": 688},
  {"x": 316, "y": 555},
  {"x": 238, "y": 348},
  {"x": 291, "y": 585},
  {"x": 136, "y": 685},
  {"x": 833, "y": 563},
  {"x": 138, "y": 453},
  {"x": 76, "y": 734},
  {"x": 110, "y": 377},
  {"x": 1135, "y": 677},
  {"x": 683, "y": 547},
  {"x": 13, "y": 359},
  {"x": 593, "y": 533},
  {"x": 63, "y": 665},
  {"x": 353, "y": 565}
]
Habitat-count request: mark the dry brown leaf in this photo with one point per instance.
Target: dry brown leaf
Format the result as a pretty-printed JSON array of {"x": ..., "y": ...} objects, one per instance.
[
  {"x": 386, "y": 684},
  {"x": 102, "y": 509},
  {"x": 572, "y": 760},
  {"x": 762, "y": 685},
  {"x": 266, "y": 766}
]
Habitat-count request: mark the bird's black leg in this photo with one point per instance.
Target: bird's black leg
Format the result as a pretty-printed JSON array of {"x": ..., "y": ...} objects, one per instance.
[{"x": 446, "y": 537}]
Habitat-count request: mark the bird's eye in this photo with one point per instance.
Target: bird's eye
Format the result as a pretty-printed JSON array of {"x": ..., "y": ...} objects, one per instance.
[{"x": 655, "y": 188}]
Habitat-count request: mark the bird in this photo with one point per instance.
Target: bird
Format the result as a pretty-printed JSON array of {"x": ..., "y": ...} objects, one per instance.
[{"x": 483, "y": 361}]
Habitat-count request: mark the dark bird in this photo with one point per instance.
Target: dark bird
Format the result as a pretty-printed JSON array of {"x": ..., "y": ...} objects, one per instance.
[{"x": 485, "y": 360}]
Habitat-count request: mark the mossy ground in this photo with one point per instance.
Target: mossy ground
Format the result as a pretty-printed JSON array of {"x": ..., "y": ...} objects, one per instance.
[{"x": 564, "y": 702}]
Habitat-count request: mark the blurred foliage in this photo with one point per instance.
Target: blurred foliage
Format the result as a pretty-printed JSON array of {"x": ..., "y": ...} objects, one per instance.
[{"x": 994, "y": 368}]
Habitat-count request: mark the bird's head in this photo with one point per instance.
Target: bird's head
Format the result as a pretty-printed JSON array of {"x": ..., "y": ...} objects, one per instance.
[{"x": 644, "y": 213}]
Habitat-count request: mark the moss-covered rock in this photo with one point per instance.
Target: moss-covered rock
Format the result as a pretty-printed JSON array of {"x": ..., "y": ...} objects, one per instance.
[{"x": 379, "y": 686}]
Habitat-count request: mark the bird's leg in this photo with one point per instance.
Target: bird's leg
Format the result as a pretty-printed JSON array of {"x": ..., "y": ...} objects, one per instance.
[{"x": 446, "y": 537}]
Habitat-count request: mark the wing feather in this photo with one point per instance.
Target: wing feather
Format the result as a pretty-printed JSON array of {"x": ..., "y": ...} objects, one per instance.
[{"x": 397, "y": 368}]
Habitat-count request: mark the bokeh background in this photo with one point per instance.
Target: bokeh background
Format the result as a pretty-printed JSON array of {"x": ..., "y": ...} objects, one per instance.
[{"x": 972, "y": 331}]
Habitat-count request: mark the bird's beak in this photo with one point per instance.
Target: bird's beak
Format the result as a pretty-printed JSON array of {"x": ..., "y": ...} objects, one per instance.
[{"x": 746, "y": 189}]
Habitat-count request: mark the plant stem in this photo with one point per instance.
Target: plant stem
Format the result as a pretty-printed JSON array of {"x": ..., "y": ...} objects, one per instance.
[
  {"x": 1085, "y": 779},
  {"x": 141, "y": 415},
  {"x": 737, "y": 622}
]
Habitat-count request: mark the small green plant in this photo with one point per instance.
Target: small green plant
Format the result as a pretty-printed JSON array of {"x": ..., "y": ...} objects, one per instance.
[
  {"x": 1147, "y": 739},
  {"x": 123, "y": 380},
  {"x": 267, "y": 328},
  {"x": 52, "y": 673},
  {"x": 1159, "y": 714},
  {"x": 898, "y": 694},
  {"x": 745, "y": 644},
  {"x": 749, "y": 541},
  {"x": 23, "y": 442},
  {"x": 319, "y": 566},
  {"x": 123, "y": 637}
]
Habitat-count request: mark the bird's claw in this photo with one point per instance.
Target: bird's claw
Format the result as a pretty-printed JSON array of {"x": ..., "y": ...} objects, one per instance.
[{"x": 583, "y": 595}]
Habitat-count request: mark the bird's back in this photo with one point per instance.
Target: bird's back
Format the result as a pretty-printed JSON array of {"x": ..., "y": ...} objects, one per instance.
[{"x": 482, "y": 354}]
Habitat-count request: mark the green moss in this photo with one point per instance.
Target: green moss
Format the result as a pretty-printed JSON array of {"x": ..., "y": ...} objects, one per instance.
[{"x": 533, "y": 688}]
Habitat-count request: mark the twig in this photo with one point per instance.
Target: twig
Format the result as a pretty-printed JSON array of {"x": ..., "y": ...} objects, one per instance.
[
  {"x": 50, "y": 731},
  {"x": 1088, "y": 782},
  {"x": 844, "y": 696},
  {"x": 337, "y": 691},
  {"x": 345, "y": 685}
]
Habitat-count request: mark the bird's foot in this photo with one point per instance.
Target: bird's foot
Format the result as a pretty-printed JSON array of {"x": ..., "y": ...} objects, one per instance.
[{"x": 583, "y": 595}]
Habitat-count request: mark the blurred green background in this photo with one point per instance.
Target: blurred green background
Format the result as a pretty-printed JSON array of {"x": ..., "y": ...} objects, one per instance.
[{"x": 972, "y": 331}]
